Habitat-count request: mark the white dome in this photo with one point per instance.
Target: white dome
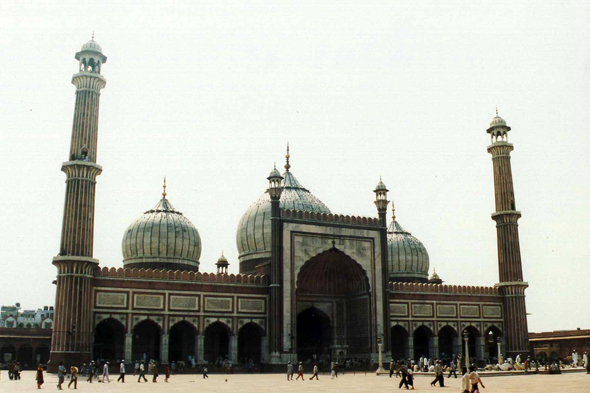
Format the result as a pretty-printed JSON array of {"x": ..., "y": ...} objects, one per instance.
[
  {"x": 408, "y": 258},
  {"x": 91, "y": 46},
  {"x": 254, "y": 230},
  {"x": 162, "y": 238}
]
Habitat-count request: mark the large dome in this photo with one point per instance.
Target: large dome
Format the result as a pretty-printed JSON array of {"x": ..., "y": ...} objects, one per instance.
[
  {"x": 162, "y": 238},
  {"x": 408, "y": 258},
  {"x": 253, "y": 236}
]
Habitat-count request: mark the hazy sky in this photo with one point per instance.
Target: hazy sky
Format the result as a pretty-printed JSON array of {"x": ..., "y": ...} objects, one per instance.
[{"x": 209, "y": 93}]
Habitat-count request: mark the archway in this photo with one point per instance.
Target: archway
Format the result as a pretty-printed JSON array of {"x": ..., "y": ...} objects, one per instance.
[
  {"x": 314, "y": 334},
  {"x": 336, "y": 283},
  {"x": 146, "y": 340},
  {"x": 492, "y": 336},
  {"x": 182, "y": 341},
  {"x": 41, "y": 354},
  {"x": 399, "y": 342},
  {"x": 446, "y": 339},
  {"x": 109, "y": 340},
  {"x": 25, "y": 356},
  {"x": 422, "y": 337},
  {"x": 250, "y": 343},
  {"x": 216, "y": 342},
  {"x": 473, "y": 335},
  {"x": 7, "y": 353}
]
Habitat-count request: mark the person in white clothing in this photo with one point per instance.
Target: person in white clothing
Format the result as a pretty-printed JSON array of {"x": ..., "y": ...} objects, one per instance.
[
  {"x": 585, "y": 359},
  {"x": 575, "y": 359},
  {"x": 465, "y": 384},
  {"x": 105, "y": 373},
  {"x": 122, "y": 372}
]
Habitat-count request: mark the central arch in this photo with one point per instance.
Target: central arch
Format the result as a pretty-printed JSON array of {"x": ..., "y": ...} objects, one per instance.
[
  {"x": 250, "y": 343},
  {"x": 422, "y": 338},
  {"x": 146, "y": 340},
  {"x": 217, "y": 342},
  {"x": 447, "y": 336},
  {"x": 399, "y": 342},
  {"x": 333, "y": 305},
  {"x": 109, "y": 340},
  {"x": 182, "y": 341}
]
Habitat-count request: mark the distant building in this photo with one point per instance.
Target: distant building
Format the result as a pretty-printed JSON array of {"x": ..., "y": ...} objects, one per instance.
[
  {"x": 560, "y": 344},
  {"x": 14, "y": 317}
]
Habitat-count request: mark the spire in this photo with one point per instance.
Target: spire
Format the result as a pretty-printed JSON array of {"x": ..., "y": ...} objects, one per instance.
[
  {"x": 92, "y": 35},
  {"x": 392, "y": 211},
  {"x": 497, "y": 112},
  {"x": 164, "y": 192},
  {"x": 287, "y": 165}
]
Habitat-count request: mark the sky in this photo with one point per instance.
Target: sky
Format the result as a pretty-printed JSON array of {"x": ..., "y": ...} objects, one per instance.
[{"x": 209, "y": 93}]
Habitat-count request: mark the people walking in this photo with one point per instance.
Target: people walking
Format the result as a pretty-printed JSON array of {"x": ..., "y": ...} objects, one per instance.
[
  {"x": 155, "y": 372},
  {"x": 73, "y": 377},
  {"x": 205, "y": 373},
  {"x": 121, "y": 372},
  {"x": 315, "y": 372},
  {"x": 465, "y": 385},
  {"x": 91, "y": 370},
  {"x": 39, "y": 377},
  {"x": 404, "y": 372},
  {"x": 136, "y": 368},
  {"x": 142, "y": 372},
  {"x": 410, "y": 377},
  {"x": 289, "y": 371},
  {"x": 61, "y": 373},
  {"x": 167, "y": 373},
  {"x": 105, "y": 373},
  {"x": 438, "y": 372},
  {"x": 300, "y": 372},
  {"x": 391, "y": 368},
  {"x": 453, "y": 369}
]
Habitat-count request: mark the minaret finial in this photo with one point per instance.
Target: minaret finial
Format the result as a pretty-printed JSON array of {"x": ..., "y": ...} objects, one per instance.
[
  {"x": 496, "y": 111},
  {"x": 392, "y": 211},
  {"x": 164, "y": 192},
  {"x": 287, "y": 165},
  {"x": 92, "y": 35}
]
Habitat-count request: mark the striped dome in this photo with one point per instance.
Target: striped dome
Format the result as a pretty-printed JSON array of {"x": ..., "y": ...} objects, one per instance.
[
  {"x": 162, "y": 238},
  {"x": 408, "y": 258},
  {"x": 253, "y": 235}
]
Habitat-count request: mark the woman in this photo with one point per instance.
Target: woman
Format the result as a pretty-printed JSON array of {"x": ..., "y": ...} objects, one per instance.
[{"x": 39, "y": 377}]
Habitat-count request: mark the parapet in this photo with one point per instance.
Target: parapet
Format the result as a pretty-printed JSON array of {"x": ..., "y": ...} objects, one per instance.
[
  {"x": 334, "y": 218},
  {"x": 177, "y": 275},
  {"x": 440, "y": 288}
]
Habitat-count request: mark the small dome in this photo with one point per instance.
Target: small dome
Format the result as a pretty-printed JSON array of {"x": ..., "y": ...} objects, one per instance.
[
  {"x": 380, "y": 186},
  {"x": 274, "y": 173},
  {"x": 162, "y": 238},
  {"x": 497, "y": 121},
  {"x": 434, "y": 275},
  {"x": 408, "y": 258},
  {"x": 91, "y": 46},
  {"x": 222, "y": 260},
  {"x": 253, "y": 235}
]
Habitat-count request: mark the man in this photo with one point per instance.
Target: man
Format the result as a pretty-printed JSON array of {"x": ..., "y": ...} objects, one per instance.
[
  {"x": 105, "y": 373},
  {"x": 205, "y": 373},
  {"x": 438, "y": 372},
  {"x": 289, "y": 371},
  {"x": 155, "y": 372},
  {"x": 315, "y": 372},
  {"x": 61, "y": 371},
  {"x": 74, "y": 377},
  {"x": 585, "y": 359},
  {"x": 453, "y": 369},
  {"x": 142, "y": 372},
  {"x": 391, "y": 367},
  {"x": 121, "y": 372},
  {"x": 136, "y": 369},
  {"x": 474, "y": 380},
  {"x": 300, "y": 372},
  {"x": 575, "y": 359},
  {"x": 404, "y": 371},
  {"x": 90, "y": 371}
]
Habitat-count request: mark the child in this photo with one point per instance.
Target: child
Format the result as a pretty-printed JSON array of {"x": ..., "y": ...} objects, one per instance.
[
  {"x": 39, "y": 377},
  {"x": 474, "y": 379}
]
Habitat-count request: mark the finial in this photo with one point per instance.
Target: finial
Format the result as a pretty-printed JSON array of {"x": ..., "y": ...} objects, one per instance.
[
  {"x": 392, "y": 211},
  {"x": 496, "y": 111},
  {"x": 92, "y": 35},
  {"x": 164, "y": 192},
  {"x": 287, "y": 165}
]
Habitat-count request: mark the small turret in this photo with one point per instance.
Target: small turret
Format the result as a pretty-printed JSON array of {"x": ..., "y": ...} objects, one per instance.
[{"x": 222, "y": 264}]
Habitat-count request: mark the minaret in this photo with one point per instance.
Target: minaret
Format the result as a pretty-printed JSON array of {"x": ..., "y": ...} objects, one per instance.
[
  {"x": 511, "y": 283},
  {"x": 381, "y": 203},
  {"x": 71, "y": 342}
]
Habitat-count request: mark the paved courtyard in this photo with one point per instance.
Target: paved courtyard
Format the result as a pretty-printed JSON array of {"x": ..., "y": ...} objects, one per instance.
[{"x": 571, "y": 383}]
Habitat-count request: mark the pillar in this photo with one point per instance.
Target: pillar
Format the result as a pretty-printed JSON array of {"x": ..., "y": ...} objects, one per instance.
[
  {"x": 410, "y": 347},
  {"x": 264, "y": 352},
  {"x": 433, "y": 344},
  {"x": 233, "y": 349},
  {"x": 164, "y": 340},
  {"x": 200, "y": 348},
  {"x": 479, "y": 347},
  {"x": 500, "y": 357},
  {"x": 129, "y": 348}
]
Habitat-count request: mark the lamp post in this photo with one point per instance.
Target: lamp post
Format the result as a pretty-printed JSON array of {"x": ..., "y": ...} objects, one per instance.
[
  {"x": 466, "y": 340},
  {"x": 380, "y": 369}
]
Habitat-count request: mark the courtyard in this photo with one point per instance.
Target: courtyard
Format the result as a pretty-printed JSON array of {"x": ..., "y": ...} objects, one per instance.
[{"x": 570, "y": 382}]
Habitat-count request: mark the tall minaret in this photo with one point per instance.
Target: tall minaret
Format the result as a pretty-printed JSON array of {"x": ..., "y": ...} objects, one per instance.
[
  {"x": 71, "y": 342},
  {"x": 511, "y": 283}
]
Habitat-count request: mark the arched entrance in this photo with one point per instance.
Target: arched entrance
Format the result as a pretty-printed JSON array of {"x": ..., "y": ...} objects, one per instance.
[
  {"x": 333, "y": 307},
  {"x": 446, "y": 340},
  {"x": 473, "y": 334},
  {"x": 422, "y": 337},
  {"x": 146, "y": 340},
  {"x": 41, "y": 354},
  {"x": 217, "y": 342},
  {"x": 399, "y": 342},
  {"x": 314, "y": 334},
  {"x": 250, "y": 343},
  {"x": 182, "y": 341},
  {"x": 109, "y": 340},
  {"x": 7, "y": 353},
  {"x": 492, "y": 336},
  {"x": 25, "y": 356}
]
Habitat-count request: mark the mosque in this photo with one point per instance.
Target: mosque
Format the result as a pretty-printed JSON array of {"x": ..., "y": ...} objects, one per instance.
[{"x": 311, "y": 282}]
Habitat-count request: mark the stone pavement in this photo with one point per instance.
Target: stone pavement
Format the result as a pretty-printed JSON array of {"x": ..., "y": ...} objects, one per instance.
[{"x": 273, "y": 383}]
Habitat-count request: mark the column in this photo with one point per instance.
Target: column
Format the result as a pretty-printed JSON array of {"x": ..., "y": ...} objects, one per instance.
[
  {"x": 456, "y": 346},
  {"x": 200, "y": 348},
  {"x": 479, "y": 347},
  {"x": 434, "y": 347},
  {"x": 164, "y": 348},
  {"x": 466, "y": 341},
  {"x": 264, "y": 352},
  {"x": 410, "y": 347},
  {"x": 233, "y": 349},
  {"x": 129, "y": 348},
  {"x": 500, "y": 357}
]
